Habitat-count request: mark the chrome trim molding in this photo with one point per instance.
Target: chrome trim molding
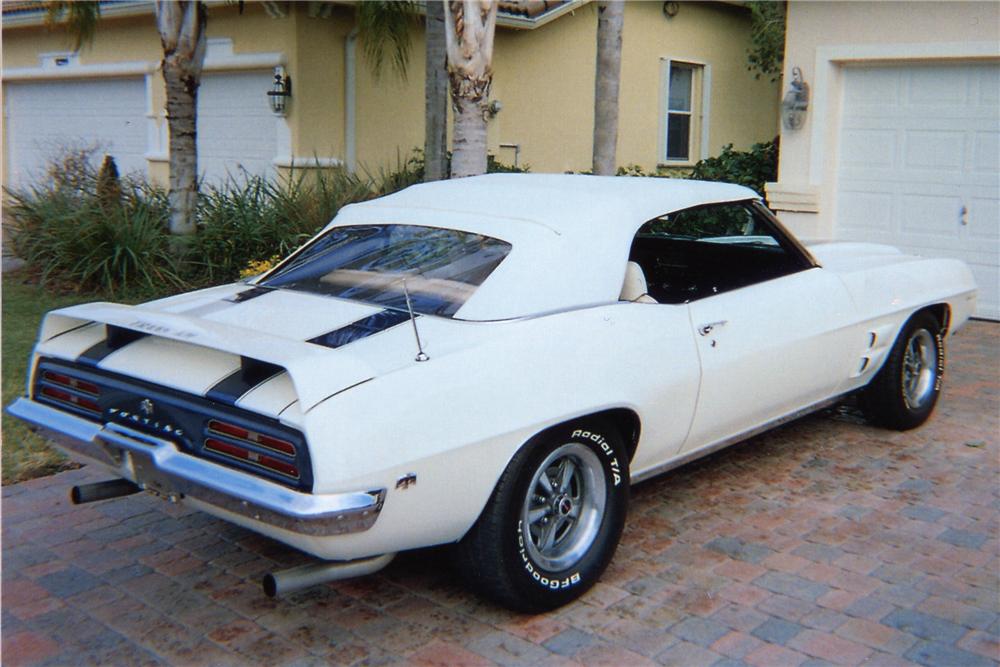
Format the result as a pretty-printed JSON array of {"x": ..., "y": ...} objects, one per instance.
[
  {"x": 722, "y": 444},
  {"x": 159, "y": 467}
]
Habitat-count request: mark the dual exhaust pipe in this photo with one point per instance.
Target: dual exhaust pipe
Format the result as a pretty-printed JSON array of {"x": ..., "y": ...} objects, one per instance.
[
  {"x": 274, "y": 583},
  {"x": 112, "y": 488},
  {"x": 321, "y": 572}
]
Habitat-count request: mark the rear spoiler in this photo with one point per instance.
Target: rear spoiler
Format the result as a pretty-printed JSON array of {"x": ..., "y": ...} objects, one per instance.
[{"x": 316, "y": 371}]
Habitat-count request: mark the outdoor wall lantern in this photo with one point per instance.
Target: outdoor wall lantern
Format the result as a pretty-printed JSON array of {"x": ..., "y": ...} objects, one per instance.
[
  {"x": 796, "y": 102},
  {"x": 281, "y": 91}
]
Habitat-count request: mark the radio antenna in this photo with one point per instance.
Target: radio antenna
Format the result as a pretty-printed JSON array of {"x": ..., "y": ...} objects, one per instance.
[{"x": 413, "y": 320}]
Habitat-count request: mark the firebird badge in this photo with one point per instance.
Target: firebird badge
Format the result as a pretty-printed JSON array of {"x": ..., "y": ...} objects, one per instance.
[{"x": 146, "y": 407}]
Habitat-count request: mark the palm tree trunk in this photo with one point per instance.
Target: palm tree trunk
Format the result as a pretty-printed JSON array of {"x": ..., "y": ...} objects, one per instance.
[
  {"x": 182, "y": 32},
  {"x": 469, "y": 29},
  {"x": 436, "y": 96},
  {"x": 182, "y": 103},
  {"x": 610, "y": 19}
]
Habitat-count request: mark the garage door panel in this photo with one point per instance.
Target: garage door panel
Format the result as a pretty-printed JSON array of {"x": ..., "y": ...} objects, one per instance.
[
  {"x": 936, "y": 86},
  {"x": 923, "y": 214},
  {"x": 868, "y": 211},
  {"x": 988, "y": 87},
  {"x": 875, "y": 88},
  {"x": 236, "y": 129},
  {"x": 934, "y": 149},
  {"x": 983, "y": 220},
  {"x": 237, "y": 132},
  {"x": 45, "y": 119},
  {"x": 986, "y": 152},
  {"x": 918, "y": 144},
  {"x": 869, "y": 148}
]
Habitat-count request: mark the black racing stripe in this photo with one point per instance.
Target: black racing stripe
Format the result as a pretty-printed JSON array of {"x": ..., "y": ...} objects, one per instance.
[
  {"x": 251, "y": 373},
  {"x": 363, "y": 328},
  {"x": 115, "y": 338},
  {"x": 248, "y": 294}
]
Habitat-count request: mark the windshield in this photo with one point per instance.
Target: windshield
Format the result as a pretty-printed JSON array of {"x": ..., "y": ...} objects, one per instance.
[{"x": 441, "y": 268}]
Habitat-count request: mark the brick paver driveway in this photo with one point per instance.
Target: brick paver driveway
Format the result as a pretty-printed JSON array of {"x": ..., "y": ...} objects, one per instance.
[{"x": 826, "y": 541}]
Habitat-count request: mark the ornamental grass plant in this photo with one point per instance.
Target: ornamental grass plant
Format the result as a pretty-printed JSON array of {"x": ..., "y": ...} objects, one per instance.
[{"x": 82, "y": 230}]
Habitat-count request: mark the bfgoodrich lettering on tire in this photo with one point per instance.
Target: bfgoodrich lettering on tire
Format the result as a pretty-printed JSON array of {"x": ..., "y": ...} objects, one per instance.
[
  {"x": 903, "y": 394},
  {"x": 554, "y": 520}
]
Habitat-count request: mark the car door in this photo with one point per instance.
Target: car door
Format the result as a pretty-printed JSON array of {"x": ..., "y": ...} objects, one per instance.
[
  {"x": 772, "y": 328},
  {"x": 768, "y": 350}
]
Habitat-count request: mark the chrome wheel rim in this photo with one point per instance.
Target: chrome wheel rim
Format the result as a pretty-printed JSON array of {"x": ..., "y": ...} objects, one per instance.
[
  {"x": 563, "y": 507},
  {"x": 919, "y": 368}
]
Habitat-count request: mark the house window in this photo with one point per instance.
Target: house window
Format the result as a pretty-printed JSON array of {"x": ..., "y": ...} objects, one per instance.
[{"x": 682, "y": 112}]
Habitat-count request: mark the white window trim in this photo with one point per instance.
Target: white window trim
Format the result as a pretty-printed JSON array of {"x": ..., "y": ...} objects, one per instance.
[{"x": 703, "y": 115}]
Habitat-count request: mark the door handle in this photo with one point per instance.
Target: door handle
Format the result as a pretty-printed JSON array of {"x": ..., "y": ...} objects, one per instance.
[{"x": 706, "y": 329}]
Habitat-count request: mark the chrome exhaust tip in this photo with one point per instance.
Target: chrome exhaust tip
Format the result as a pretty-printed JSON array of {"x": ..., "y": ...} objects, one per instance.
[
  {"x": 311, "y": 574},
  {"x": 112, "y": 488}
]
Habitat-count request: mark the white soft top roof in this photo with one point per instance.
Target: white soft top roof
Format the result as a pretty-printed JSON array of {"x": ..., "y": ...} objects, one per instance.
[{"x": 570, "y": 234}]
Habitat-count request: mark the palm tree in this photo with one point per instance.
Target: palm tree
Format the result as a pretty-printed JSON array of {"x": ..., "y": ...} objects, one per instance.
[
  {"x": 435, "y": 95},
  {"x": 181, "y": 24},
  {"x": 384, "y": 28},
  {"x": 610, "y": 18},
  {"x": 386, "y": 23},
  {"x": 469, "y": 29},
  {"x": 80, "y": 17}
]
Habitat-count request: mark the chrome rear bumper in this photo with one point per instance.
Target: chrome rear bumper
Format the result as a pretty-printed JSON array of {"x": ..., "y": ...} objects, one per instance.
[{"x": 158, "y": 466}]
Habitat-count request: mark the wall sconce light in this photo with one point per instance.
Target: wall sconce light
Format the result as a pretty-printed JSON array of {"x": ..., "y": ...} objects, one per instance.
[
  {"x": 670, "y": 9},
  {"x": 281, "y": 91},
  {"x": 795, "y": 103}
]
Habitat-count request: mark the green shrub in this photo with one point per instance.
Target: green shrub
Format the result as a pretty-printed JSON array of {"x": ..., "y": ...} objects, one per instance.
[
  {"x": 411, "y": 171},
  {"x": 75, "y": 235},
  {"x": 88, "y": 230},
  {"x": 254, "y": 219},
  {"x": 752, "y": 168}
]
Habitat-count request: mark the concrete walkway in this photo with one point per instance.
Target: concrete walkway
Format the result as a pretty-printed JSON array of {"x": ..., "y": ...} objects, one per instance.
[{"x": 826, "y": 541}]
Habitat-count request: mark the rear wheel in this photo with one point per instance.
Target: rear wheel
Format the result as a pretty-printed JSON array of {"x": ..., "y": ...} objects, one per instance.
[
  {"x": 903, "y": 393},
  {"x": 553, "y": 522}
]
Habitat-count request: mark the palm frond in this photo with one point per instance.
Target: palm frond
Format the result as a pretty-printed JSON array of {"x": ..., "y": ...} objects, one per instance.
[
  {"x": 79, "y": 16},
  {"x": 384, "y": 27}
]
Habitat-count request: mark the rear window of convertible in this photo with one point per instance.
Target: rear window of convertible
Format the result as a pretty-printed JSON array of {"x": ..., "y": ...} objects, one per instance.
[{"x": 379, "y": 264}]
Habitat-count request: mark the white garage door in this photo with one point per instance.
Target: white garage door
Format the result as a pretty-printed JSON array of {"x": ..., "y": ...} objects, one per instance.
[
  {"x": 237, "y": 132},
  {"x": 919, "y": 164},
  {"x": 236, "y": 129},
  {"x": 46, "y": 118}
]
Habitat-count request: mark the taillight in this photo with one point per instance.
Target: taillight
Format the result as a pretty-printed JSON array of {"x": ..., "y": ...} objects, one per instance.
[
  {"x": 243, "y": 454},
  {"x": 71, "y": 391},
  {"x": 71, "y": 382},
  {"x": 260, "y": 439}
]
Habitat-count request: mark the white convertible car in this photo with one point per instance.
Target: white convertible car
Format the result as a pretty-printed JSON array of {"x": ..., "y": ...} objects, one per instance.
[{"x": 489, "y": 362}]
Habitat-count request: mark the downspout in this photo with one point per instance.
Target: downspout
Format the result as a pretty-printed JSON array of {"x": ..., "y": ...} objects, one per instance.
[{"x": 350, "y": 96}]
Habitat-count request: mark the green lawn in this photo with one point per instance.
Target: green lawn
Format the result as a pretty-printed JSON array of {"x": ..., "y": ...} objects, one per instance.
[{"x": 25, "y": 454}]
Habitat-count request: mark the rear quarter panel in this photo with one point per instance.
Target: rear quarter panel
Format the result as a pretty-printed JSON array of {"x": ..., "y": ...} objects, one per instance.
[{"x": 456, "y": 420}]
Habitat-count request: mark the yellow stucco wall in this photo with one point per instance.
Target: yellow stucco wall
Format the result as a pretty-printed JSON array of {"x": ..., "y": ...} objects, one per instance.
[
  {"x": 317, "y": 70},
  {"x": 390, "y": 110},
  {"x": 544, "y": 78},
  {"x": 824, "y": 37}
]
